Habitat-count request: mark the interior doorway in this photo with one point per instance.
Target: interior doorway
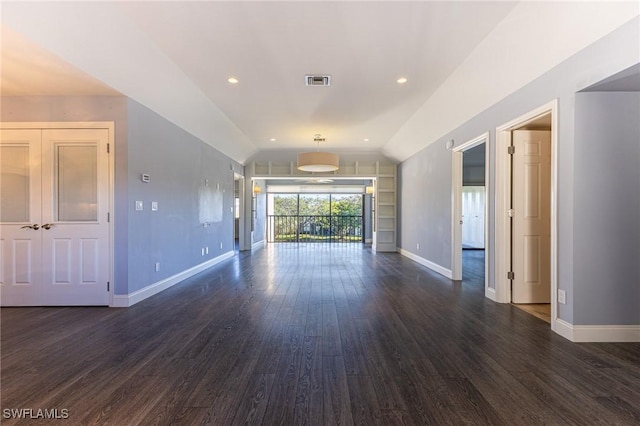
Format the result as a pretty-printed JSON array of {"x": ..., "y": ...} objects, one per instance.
[
  {"x": 526, "y": 238},
  {"x": 238, "y": 209},
  {"x": 470, "y": 180}
]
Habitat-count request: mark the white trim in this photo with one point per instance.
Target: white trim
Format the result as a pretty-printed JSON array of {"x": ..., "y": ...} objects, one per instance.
[
  {"x": 502, "y": 191},
  {"x": 424, "y": 262},
  {"x": 490, "y": 293},
  {"x": 126, "y": 300},
  {"x": 258, "y": 245},
  {"x": 456, "y": 206},
  {"x": 598, "y": 333}
]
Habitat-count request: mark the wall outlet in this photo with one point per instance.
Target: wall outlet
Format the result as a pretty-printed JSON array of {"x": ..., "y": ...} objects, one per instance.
[
  {"x": 154, "y": 206},
  {"x": 562, "y": 296},
  {"x": 220, "y": 245},
  {"x": 418, "y": 246},
  {"x": 206, "y": 250},
  {"x": 157, "y": 266},
  {"x": 202, "y": 251},
  {"x": 139, "y": 205}
]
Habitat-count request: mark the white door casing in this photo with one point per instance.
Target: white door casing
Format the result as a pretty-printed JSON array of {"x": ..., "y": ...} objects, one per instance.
[
  {"x": 456, "y": 209},
  {"x": 73, "y": 260},
  {"x": 531, "y": 200}
]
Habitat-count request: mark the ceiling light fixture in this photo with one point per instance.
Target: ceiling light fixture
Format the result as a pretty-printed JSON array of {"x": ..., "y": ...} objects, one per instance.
[
  {"x": 272, "y": 140},
  {"x": 233, "y": 80},
  {"x": 318, "y": 161},
  {"x": 401, "y": 80}
]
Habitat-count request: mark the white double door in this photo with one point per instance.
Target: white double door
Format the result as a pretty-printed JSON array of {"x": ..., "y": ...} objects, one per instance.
[{"x": 54, "y": 206}]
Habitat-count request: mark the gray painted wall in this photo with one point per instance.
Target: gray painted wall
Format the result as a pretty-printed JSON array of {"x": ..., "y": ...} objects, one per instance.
[
  {"x": 425, "y": 195},
  {"x": 473, "y": 166},
  {"x": 181, "y": 168},
  {"x": 607, "y": 202},
  {"x": 260, "y": 223},
  {"x": 178, "y": 164},
  {"x": 368, "y": 220}
]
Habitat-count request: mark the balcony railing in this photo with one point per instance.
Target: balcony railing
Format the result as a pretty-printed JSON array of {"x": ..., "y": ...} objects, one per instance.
[{"x": 324, "y": 228}]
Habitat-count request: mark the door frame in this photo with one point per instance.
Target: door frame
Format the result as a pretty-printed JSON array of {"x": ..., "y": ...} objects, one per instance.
[
  {"x": 110, "y": 127},
  {"x": 456, "y": 208},
  {"x": 241, "y": 210},
  {"x": 502, "y": 204}
]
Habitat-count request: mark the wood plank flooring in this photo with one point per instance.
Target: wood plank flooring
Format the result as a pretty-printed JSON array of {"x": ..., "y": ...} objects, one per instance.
[{"x": 313, "y": 334}]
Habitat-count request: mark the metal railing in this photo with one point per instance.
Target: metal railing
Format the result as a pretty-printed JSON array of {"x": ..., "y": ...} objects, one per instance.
[{"x": 322, "y": 228}]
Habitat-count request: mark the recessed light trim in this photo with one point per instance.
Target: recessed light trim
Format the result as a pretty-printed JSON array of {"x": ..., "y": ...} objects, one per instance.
[
  {"x": 272, "y": 140},
  {"x": 233, "y": 80},
  {"x": 401, "y": 80}
]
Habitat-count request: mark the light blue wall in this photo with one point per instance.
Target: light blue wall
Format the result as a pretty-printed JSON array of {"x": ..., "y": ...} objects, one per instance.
[
  {"x": 181, "y": 167},
  {"x": 178, "y": 164},
  {"x": 425, "y": 195},
  {"x": 607, "y": 204},
  {"x": 260, "y": 219}
]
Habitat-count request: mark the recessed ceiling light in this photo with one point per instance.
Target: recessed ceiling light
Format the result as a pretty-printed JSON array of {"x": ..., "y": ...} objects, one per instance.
[
  {"x": 233, "y": 80},
  {"x": 402, "y": 80},
  {"x": 272, "y": 140},
  {"x": 366, "y": 139}
]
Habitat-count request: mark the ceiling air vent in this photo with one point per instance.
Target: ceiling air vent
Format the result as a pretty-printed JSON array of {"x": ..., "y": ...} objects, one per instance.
[{"x": 317, "y": 80}]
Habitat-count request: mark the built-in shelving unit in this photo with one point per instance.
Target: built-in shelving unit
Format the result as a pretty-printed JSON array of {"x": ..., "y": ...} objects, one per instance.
[
  {"x": 385, "y": 193},
  {"x": 386, "y": 209}
]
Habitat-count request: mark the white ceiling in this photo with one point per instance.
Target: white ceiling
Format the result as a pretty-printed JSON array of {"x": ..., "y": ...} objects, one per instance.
[{"x": 175, "y": 58}]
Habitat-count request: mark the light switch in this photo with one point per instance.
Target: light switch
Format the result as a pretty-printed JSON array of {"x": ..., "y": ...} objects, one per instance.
[
  {"x": 139, "y": 205},
  {"x": 154, "y": 206}
]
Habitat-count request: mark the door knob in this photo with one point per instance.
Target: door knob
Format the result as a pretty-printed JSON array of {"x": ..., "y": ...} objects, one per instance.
[
  {"x": 35, "y": 227},
  {"x": 47, "y": 226}
]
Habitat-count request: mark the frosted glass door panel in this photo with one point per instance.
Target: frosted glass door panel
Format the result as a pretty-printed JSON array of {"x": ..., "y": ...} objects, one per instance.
[
  {"x": 76, "y": 183},
  {"x": 14, "y": 183}
]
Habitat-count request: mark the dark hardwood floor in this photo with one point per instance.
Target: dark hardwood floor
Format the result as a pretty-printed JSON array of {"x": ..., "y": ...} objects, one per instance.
[{"x": 313, "y": 334}]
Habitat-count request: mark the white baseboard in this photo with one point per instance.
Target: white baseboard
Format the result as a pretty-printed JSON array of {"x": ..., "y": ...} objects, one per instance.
[
  {"x": 258, "y": 245},
  {"x": 598, "y": 333},
  {"x": 126, "y": 300},
  {"x": 490, "y": 293},
  {"x": 429, "y": 264}
]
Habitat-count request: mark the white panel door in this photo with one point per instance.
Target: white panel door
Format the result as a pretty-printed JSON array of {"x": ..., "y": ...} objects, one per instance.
[
  {"x": 473, "y": 217},
  {"x": 20, "y": 218},
  {"x": 68, "y": 253},
  {"x": 75, "y": 242},
  {"x": 531, "y": 200}
]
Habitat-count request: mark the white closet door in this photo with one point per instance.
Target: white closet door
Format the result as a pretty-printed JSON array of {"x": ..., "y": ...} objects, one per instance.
[
  {"x": 473, "y": 216},
  {"x": 54, "y": 245}
]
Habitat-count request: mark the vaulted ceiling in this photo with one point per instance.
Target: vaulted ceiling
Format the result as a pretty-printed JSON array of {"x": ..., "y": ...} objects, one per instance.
[{"x": 176, "y": 57}]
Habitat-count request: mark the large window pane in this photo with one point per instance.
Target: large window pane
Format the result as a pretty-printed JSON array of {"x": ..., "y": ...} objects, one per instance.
[
  {"x": 14, "y": 183},
  {"x": 76, "y": 183},
  {"x": 314, "y": 204},
  {"x": 285, "y": 204},
  {"x": 346, "y": 205},
  {"x": 346, "y": 213}
]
